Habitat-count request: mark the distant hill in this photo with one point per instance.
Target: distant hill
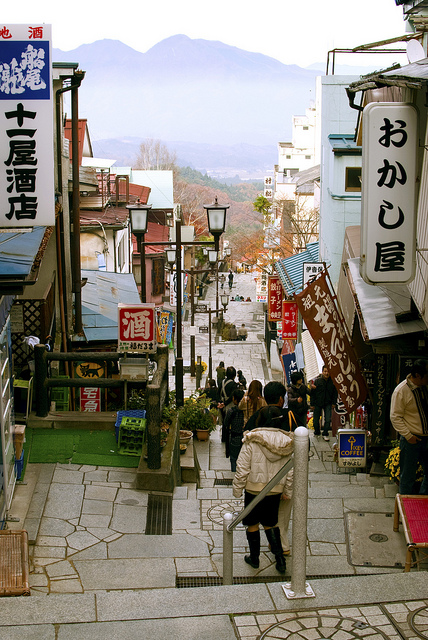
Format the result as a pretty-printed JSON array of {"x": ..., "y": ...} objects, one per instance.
[
  {"x": 204, "y": 157},
  {"x": 192, "y": 91}
]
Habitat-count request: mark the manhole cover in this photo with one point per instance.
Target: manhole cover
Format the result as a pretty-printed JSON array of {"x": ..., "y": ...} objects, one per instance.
[
  {"x": 215, "y": 513},
  {"x": 328, "y": 626},
  {"x": 419, "y": 622},
  {"x": 378, "y": 537}
]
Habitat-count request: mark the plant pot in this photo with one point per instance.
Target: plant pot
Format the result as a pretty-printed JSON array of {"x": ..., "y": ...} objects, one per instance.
[
  {"x": 185, "y": 436},
  {"x": 202, "y": 434}
]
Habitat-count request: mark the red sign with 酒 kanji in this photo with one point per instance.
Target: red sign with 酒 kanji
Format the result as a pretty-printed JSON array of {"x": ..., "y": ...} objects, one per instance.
[{"x": 137, "y": 328}]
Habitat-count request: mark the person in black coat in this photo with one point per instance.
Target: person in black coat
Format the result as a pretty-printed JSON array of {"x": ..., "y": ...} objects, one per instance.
[
  {"x": 298, "y": 398},
  {"x": 323, "y": 398}
]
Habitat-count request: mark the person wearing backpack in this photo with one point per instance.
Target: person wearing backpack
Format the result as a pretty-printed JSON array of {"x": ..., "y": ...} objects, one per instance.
[
  {"x": 265, "y": 450},
  {"x": 227, "y": 388},
  {"x": 234, "y": 425}
]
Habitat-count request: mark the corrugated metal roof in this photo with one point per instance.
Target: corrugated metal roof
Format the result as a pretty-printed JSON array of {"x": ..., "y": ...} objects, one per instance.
[
  {"x": 100, "y": 297},
  {"x": 290, "y": 270},
  {"x": 18, "y": 251}
]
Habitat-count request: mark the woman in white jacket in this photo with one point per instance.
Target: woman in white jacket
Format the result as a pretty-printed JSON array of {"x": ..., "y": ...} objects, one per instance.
[{"x": 264, "y": 451}]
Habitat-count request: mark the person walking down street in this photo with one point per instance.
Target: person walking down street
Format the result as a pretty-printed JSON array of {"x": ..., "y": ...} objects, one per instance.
[
  {"x": 230, "y": 278},
  {"x": 221, "y": 374},
  {"x": 298, "y": 398},
  {"x": 222, "y": 280},
  {"x": 211, "y": 391},
  {"x": 242, "y": 380},
  {"x": 323, "y": 399},
  {"x": 234, "y": 425},
  {"x": 253, "y": 400},
  {"x": 228, "y": 387},
  {"x": 242, "y": 332},
  {"x": 409, "y": 416},
  {"x": 274, "y": 393},
  {"x": 264, "y": 452}
]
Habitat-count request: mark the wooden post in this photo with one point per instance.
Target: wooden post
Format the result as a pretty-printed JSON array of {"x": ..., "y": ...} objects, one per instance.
[{"x": 40, "y": 375}]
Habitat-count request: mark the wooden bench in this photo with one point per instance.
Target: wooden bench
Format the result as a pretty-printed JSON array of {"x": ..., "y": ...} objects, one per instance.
[
  {"x": 413, "y": 513},
  {"x": 14, "y": 563}
]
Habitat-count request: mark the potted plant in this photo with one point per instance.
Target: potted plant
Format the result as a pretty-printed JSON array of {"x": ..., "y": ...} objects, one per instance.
[
  {"x": 196, "y": 416},
  {"x": 392, "y": 466}
]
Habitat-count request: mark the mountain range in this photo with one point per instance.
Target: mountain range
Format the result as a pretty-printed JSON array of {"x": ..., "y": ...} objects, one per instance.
[{"x": 216, "y": 105}]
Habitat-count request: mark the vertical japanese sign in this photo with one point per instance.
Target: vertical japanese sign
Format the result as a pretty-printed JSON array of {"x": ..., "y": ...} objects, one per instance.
[
  {"x": 262, "y": 287},
  {"x": 27, "y": 192},
  {"x": 274, "y": 299},
  {"x": 90, "y": 399},
  {"x": 163, "y": 323},
  {"x": 388, "y": 193},
  {"x": 311, "y": 270},
  {"x": 318, "y": 309},
  {"x": 289, "y": 320},
  {"x": 268, "y": 187},
  {"x": 137, "y": 328}
]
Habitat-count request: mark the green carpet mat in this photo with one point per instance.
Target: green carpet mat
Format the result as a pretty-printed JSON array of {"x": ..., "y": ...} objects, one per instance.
[{"x": 76, "y": 446}]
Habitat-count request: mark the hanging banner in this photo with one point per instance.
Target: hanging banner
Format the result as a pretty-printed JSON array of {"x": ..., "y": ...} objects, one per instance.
[
  {"x": 137, "y": 328},
  {"x": 319, "y": 312},
  {"x": 26, "y": 126},
  {"x": 163, "y": 322},
  {"x": 388, "y": 193},
  {"x": 289, "y": 320},
  {"x": 274, "y": 299},
  {"x": 262, "y": 287}
]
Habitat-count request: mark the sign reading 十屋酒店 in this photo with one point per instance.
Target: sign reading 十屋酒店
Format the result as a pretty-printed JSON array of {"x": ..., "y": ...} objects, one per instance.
[
  {"x": 27, "y": 194},
  {"x": 318, "y": 309},
  {"x": 137, "y": 328},
  {"x": 388, "y": 193}
]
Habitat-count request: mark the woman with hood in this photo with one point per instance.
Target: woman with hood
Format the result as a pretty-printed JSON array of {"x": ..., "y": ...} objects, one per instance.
[{"x": 264, "y": 452}]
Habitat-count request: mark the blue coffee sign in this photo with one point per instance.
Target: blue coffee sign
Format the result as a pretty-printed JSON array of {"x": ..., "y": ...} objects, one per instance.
[{"x": 352, "y": 447}]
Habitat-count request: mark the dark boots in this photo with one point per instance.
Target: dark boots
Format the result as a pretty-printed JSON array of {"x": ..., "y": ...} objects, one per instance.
[
  {"x": 253, "y": 538},
  {"x": 274, "y": 538}
]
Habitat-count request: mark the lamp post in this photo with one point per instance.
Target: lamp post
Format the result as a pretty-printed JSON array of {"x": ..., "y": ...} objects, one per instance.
[
  {"x": 216, "y": 214},
  {"x": 138, "y": 214}
]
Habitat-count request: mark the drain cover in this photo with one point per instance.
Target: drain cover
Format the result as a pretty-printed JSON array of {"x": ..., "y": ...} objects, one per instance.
[{"x": 378, "y": 537}]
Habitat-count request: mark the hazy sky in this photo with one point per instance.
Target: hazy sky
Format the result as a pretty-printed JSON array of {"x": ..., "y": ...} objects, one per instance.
[{"x": 292, "y": 31}]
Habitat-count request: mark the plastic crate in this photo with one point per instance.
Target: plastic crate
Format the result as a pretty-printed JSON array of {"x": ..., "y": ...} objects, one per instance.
[
  {"x": 131, "y": 438},
  {"x": 133, "y": 423},
  {"x": 129, "y": 413},
  {"x": 19, "y": 466},
  {"x": 61, "y": 396}
]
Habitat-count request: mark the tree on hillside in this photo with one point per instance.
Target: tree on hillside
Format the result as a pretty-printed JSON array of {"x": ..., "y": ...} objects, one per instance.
[{"x": 155, "y": 155}]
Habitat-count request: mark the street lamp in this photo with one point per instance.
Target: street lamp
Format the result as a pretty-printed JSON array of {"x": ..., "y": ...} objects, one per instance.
[
  {"x": 216, "y": 214},
  {"x": 138, "y": 214}
]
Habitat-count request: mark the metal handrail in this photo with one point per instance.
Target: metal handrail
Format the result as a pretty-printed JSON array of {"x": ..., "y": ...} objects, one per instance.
[{"x": 266, "y": 489}]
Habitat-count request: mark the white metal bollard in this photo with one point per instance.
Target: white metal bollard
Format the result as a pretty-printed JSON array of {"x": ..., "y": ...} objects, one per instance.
[
  {"x": 227, "y": 549},
  {"x": 299, "y": 588}
]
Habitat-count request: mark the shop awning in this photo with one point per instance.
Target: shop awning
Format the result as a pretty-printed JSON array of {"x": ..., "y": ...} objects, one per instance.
[{"x": 377, "y": 307}]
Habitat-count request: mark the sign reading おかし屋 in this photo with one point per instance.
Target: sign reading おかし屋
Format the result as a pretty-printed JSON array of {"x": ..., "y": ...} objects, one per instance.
[{"x": 388, "y": 193}]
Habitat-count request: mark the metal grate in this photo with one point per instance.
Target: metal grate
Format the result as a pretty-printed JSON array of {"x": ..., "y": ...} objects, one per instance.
[
  {"x": 223, "y": 481},
  {"x": 159, "y": 515},
  {"x": 186, "y": 582}
]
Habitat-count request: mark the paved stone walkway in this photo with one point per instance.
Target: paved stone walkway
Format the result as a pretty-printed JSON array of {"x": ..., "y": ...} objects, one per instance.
[{"x": 95, "y": 573}]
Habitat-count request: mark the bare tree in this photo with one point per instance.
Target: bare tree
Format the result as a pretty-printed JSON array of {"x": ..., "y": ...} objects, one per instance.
[
  {"x": 155, "y": 155},
  {"x": 299, "y": 223}
]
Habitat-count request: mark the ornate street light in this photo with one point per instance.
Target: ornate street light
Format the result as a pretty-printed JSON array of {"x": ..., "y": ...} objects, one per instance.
[
  {"x": 216, "y": 214},
  {"x": 138, "y": 215}
]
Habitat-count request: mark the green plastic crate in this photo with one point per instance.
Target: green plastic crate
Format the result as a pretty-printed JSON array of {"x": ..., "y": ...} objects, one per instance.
[{"x": 61, "y": 396}]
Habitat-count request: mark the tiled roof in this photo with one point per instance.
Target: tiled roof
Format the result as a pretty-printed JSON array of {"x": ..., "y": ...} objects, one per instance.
[{"x": 290, "y": 270}]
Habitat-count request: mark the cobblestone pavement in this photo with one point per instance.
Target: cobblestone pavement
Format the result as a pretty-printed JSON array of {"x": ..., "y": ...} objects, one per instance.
[{"x": 391, "y": 621}]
